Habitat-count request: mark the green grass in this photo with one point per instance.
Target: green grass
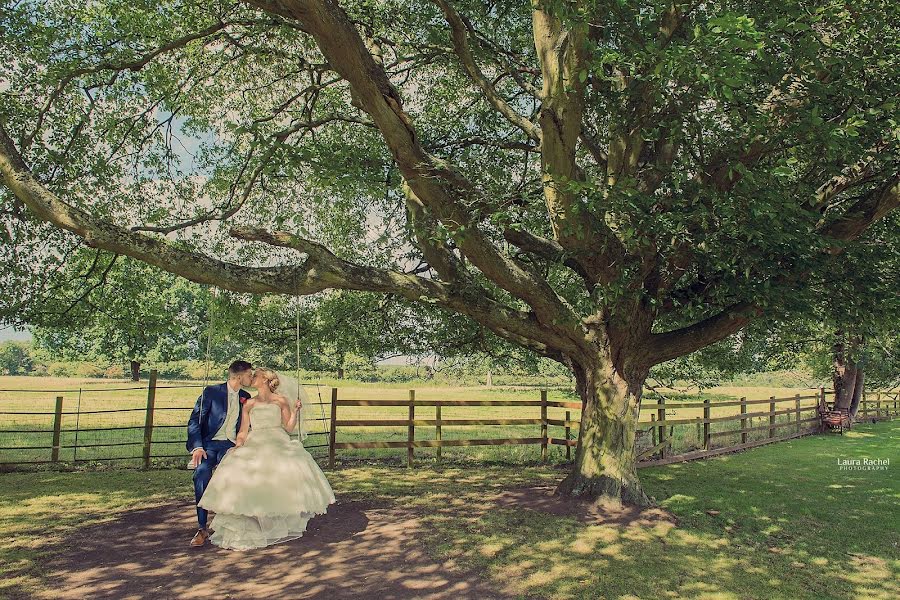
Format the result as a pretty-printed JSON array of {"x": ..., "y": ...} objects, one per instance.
[
  {"x": 174, "y": 404},
  {"x": 787, "y": 523}
]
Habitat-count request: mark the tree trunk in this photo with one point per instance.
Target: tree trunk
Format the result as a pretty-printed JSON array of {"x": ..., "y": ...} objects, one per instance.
[
  {"x": 847, "y": 374},
  {"x": 135, "y": 370},
  {"x": 340, "y": 372},
  {"x": 857, "y": 391},
  {"x": 605, "y": 458},
  {"x": 845, "y": 385}
]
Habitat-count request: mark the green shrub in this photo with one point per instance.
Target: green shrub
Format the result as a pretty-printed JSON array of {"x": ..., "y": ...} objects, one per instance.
[
  {"x": 115, "y": 372},
  {"x": 360, "y": 368},
  {"x": 176, "y": 369},
  {"x": 197, "y": 369},
  {"x": 86, "y": 369},
  {"x": 39, "y": 370},
  {"x": 60, "y": 369},
  {"x": 396, "y": 374}
]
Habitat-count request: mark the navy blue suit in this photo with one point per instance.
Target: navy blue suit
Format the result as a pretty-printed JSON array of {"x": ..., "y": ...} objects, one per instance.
[{"x": 206, "y": 419}]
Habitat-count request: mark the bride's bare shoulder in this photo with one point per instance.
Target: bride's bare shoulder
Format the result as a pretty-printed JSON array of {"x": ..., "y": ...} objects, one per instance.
[{"x": 279, "y": 399}]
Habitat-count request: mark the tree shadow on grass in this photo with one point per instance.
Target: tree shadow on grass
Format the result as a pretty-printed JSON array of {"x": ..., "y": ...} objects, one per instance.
[
  {"x": 357, "y": 550},
  {"x": 775, "y": 522}
]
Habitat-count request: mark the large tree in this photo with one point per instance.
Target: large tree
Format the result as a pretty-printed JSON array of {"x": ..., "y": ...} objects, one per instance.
[
  {"x": 845, "y": 330},
  {"x": 861, "y": 307},
  {"x": 610, "y": 184}
]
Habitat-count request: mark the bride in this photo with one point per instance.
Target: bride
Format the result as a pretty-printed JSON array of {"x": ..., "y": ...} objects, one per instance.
[{"x": 268, "y": 487}]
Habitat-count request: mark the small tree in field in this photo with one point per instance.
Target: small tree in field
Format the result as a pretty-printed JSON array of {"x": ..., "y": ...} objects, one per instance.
[
  {"x": 108, "y": 309},
  {"x": 15, "y": 358},
  {"x": 607, "y": 184}
]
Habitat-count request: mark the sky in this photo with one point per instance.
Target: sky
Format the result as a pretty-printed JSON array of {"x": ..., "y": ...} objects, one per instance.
[{"x": 8, "y": 333}]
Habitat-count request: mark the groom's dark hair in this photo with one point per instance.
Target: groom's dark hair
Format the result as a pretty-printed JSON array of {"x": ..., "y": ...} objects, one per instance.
[{"x": 238, "y": 367}]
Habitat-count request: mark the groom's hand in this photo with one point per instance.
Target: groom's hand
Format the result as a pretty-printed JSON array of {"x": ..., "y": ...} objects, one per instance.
[{"x": 197, "y": 455}]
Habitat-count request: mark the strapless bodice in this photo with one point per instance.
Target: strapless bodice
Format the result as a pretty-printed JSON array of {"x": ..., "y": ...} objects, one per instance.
[{"x": 265, "y": 416}]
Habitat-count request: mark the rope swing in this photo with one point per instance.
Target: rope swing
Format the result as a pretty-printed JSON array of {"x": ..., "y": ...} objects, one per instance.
[
  {"x": 300, "y": 392},
  {"x": 297, "y": 364}
]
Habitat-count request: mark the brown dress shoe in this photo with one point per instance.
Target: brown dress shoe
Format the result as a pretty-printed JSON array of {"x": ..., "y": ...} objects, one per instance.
[{"x": 200, "y": 538}]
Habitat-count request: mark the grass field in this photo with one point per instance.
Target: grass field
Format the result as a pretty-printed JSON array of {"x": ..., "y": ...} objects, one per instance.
[
  {"x": 777, "y": 522},
  {"x": 29, "y": 436}
]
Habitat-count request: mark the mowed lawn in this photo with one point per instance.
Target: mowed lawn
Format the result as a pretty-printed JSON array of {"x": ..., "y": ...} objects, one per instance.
[
  {"x": 87, "y": 404},
  {"x": 780, "y": 521}
]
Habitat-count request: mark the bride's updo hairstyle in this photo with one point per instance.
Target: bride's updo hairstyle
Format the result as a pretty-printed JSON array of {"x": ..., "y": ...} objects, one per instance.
[{"x": 271, "y": 378}]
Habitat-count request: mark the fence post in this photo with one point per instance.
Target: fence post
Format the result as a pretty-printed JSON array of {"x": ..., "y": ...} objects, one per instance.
[
  {"x": 148, "y": 420},
  {"x": 797, "y": 411},
  {"x": 411, "y": 435},
  {"x": 543, "y": 424},
  {"x": 877, "y": 405},
  {"x": 865, "y": 407},
  {"x": 771, "y": 416},
  {"x": 743, "y": 419},
  {"x": 706, "y": 423},
  {"x": 652, "y": 427},
  {"x": 568, "y": 435},
  {"x": 332, "y": 434},
  {"x": 437, "y": 427},
  {"x": 57, "y": 427},
  {"x": 661, "y": 416}
]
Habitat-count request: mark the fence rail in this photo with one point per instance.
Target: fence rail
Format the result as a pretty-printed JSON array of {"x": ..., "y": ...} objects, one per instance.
[
  {"x": 152, "y": 429},
  {"x": 138, "y": 433},
  {"x": 659, "y": 427}
]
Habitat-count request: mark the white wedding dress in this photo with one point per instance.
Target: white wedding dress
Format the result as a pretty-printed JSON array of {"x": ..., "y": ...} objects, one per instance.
[{"x": 265, "y": 491}]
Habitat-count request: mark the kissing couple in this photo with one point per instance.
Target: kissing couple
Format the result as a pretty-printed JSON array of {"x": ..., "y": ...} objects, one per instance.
[{"x": 262, "y": 486}]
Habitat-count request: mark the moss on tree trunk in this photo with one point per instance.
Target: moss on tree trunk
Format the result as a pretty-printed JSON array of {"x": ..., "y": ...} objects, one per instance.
[{"x": 604, "y": 466}]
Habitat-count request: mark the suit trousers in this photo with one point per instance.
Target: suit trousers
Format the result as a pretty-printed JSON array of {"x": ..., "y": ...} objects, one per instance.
[{"x": 215, "y": 451}]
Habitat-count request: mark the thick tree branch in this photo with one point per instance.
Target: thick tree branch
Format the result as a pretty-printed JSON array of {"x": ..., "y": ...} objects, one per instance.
[
  {"x": 540, "y": 246},
  {"x": 849, "y": 226},
  {"x": 562, "y": 54},
  {"x": 670, "y": 22},
  {"x": 850, "y": 176},
  {"x": 321, "y": 269},
  {"x": 597, "y": 152},
  {"x": 433, "y": 181},
  {"x": 435, "y": 251},
  {"x": 864, "y": 212},
  {"x": 100, "y": 233},
  {"x": 459, "y": 32},
  {"x": 508, "y": 323},
  {"x": 672, "y": 344}
]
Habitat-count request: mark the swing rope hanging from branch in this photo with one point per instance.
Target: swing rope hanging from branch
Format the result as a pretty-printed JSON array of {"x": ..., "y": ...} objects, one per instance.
[{"x": 208, "y": 360}]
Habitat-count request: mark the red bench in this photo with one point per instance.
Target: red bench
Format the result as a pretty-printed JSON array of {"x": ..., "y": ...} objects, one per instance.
[{"x": 834, "y": 418}]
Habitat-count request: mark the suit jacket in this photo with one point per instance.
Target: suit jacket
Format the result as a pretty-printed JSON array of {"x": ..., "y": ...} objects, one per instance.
[{"x": 209, "y": 415}]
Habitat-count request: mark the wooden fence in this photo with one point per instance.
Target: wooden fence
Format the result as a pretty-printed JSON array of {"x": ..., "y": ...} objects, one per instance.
[
  {"x": 132, "y": 434},
  {"x": 439, "y": 423},
  {"x": 142, "y": 442},
  {"x": 800, "y": 420}
]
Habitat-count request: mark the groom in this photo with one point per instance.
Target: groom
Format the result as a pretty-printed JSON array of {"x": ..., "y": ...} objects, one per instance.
[{"x": 212, "y": 429}]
